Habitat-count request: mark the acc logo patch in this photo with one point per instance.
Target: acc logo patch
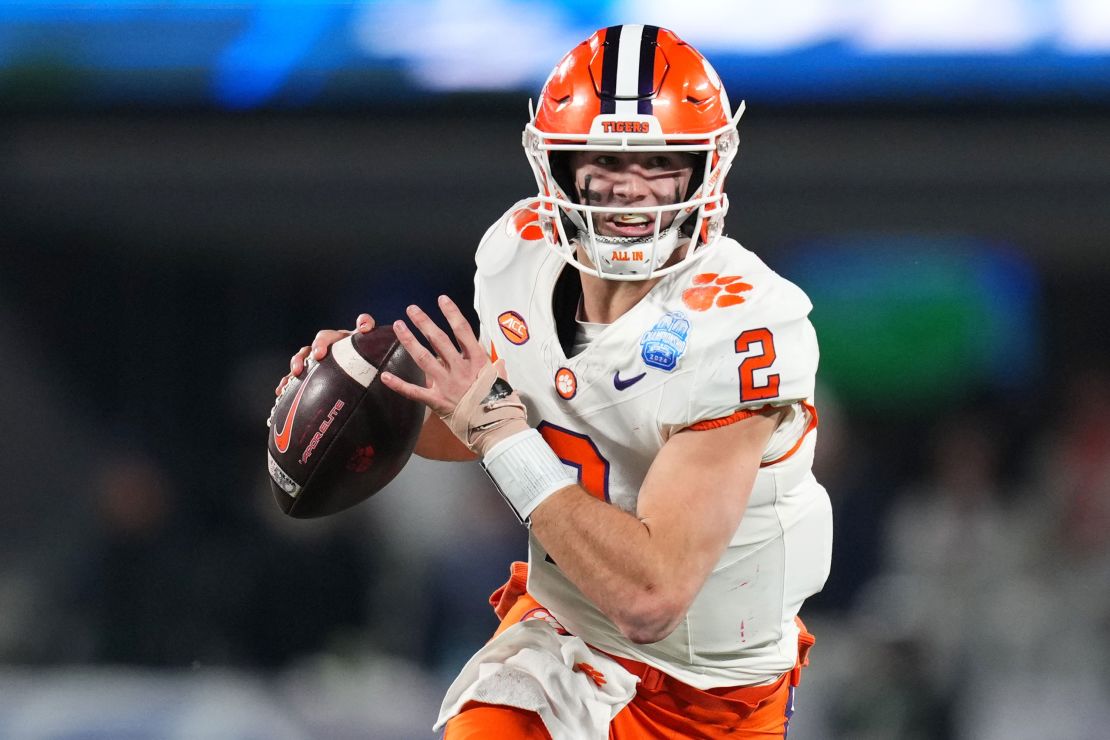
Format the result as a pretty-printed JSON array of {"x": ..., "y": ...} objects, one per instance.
[
  {"x": 566, "y": 383},
  {"x": 513, "y": 327},
  {"x": 664, "y": 344}
]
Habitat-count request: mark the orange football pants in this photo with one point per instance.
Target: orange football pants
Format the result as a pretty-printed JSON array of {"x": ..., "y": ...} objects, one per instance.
[{"x": 663, "y": 707}]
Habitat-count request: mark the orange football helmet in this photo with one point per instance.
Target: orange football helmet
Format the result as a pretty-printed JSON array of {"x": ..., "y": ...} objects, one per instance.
[{"x": 632, "y": 88}]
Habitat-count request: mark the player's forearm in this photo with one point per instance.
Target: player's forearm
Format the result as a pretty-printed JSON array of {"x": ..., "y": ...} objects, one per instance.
[{"x": 612, "y": 558}]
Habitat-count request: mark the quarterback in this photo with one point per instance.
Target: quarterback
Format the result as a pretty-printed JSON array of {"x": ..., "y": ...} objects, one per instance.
[{"x": 641, "y": 394}]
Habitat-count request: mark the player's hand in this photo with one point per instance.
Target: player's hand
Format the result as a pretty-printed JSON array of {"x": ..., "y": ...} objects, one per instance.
[
  {"x": 318, "y": 350},
  {"x": 461, "y": 382},
  {"x": 450, "y": 371}
]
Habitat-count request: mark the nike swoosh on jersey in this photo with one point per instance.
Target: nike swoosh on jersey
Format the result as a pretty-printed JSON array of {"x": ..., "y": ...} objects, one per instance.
[
  {"x": 281, "y": 438},
  {"x": 620, "y": 385}
]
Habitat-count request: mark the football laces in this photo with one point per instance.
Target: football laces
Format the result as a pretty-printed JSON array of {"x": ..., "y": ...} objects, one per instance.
[{"x": 309, "y": 363}]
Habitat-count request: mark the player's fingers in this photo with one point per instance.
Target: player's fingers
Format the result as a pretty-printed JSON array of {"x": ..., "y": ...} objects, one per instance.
[
  {"x": 424, "y": 395},
  {"x": 461, "y": 328},
  {"x": 424, "y": 359},
  {"x": 439, "y": 340},
  {"x": 364, "y": 323},
  {"x": 324, "y": 339},
  {"x": 296, "y": 362}
]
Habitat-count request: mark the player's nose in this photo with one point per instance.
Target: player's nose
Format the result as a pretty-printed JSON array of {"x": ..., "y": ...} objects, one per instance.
[{"x": 629, "y": 186}]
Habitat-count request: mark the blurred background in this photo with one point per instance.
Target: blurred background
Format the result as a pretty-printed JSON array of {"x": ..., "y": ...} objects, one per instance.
[{"x": 190, "y": 190}]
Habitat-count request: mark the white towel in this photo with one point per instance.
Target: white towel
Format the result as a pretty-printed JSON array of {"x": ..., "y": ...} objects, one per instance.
[{"x": 530, "y": 666}]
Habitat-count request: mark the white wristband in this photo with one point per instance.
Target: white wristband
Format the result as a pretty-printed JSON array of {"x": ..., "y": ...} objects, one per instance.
[{"x": 526, "y": 471}]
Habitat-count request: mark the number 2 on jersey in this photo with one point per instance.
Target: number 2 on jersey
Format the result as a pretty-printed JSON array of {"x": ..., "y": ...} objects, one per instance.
[
  {"x": 749, "y": 391},
  {"x": 579, "y": 451}
]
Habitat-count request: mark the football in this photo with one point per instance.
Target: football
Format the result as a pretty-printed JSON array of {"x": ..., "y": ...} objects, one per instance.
[{"x": 337, "y": 435}]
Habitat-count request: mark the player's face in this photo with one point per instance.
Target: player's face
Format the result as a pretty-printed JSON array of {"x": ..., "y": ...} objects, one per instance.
[{"x": 634, "y": 179}]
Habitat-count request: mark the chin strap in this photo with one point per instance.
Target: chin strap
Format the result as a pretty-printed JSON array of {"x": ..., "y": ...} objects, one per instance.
[
  {"x": 491, "y": 420},
  {"x": 626, "y": 241}
]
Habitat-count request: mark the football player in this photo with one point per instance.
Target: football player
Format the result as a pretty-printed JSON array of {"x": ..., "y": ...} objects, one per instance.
[{"x": 641, "y": 396}]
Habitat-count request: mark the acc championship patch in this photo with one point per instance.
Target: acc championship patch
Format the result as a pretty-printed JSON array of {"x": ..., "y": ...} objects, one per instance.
[
  {"x": 663, "y": 345},
  {"x": 513, "y": 327}
]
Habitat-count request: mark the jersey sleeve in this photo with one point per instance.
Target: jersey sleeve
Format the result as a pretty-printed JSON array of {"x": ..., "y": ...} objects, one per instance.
[
  {"x": 484, "y": 337},
  {"x": 493, "y": 258},
  {"x": 768, "y": 357}
]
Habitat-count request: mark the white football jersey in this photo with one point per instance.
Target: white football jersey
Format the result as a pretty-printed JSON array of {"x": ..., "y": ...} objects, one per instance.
[{"x": 724, "y": 334}]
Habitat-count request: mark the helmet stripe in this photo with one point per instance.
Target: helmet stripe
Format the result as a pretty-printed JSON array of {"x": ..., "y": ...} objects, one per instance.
[
  {"x": 646, "y": 88},
  {"x": 611, "y": 50},
  {"x": 628, "y": 69}
]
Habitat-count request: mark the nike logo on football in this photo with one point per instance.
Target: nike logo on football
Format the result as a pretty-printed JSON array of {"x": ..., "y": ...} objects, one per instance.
[
  {"x": 620, "y": 385},
  {"x": 282, "y": 437}
]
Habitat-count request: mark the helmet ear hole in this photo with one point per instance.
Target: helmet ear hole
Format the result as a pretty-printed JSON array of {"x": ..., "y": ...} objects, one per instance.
[
  {"x": 696, "y": 180},
  {"x": 698, "y": 177},
  {"x": 567, "y": 223},
  {"x": 561, "y": 173},
  {"x": 559, "y": 164}
]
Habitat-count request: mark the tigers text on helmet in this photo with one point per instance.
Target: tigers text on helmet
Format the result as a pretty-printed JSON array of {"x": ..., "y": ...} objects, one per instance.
[{"x": 632, "y": 88}]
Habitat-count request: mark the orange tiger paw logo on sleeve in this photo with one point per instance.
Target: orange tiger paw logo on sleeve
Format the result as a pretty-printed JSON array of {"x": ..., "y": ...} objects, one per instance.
[
  {"x": 525, "y": 223},
  {"x": 710, "y": 289}
]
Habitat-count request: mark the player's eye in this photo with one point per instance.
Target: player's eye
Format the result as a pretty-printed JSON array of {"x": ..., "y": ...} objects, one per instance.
[
  {"x": 660, "y": 162},
  {"x": 605, "y": 160}
]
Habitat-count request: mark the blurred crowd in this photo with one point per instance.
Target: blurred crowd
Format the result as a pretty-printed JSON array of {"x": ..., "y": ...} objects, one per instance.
[{"x": 984, "y": 611}]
